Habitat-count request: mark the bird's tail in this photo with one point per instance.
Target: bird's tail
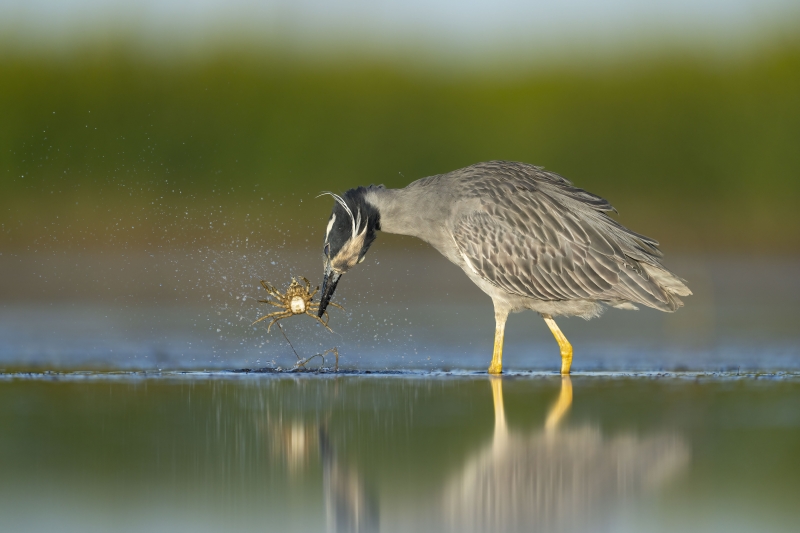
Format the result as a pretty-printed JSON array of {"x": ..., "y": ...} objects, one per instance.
[
  {"x": 672, "y": 285},
  {"x": 668, "y": 281},
  {"x": 651, "y": 285}
]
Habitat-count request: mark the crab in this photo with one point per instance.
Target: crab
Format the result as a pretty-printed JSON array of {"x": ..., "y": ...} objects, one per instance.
[{"x": 296, "y": 301}]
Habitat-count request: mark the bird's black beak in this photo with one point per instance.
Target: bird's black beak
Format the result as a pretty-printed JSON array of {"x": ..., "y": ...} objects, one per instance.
[{"x": 328, "y": 286}]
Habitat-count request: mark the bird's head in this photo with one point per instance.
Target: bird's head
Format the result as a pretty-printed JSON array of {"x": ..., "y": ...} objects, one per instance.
[{"x": 349, "y": 234}]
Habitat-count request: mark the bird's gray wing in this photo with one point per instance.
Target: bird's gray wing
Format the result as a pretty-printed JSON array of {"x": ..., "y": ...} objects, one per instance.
[{"x": 536, "y": 235}]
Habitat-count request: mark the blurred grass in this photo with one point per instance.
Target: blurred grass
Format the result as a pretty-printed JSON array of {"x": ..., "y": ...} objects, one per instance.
[{"x": 703, "y": 154}]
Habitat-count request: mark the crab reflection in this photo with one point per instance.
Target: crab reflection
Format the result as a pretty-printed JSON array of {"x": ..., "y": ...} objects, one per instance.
[{"x": 557, "y": 478}]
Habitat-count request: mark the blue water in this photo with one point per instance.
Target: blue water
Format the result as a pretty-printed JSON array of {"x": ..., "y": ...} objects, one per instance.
[{"x": 407, "y": 308}]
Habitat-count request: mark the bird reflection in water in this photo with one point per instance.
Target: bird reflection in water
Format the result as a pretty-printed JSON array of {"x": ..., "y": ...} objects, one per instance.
[
  {"x": 350, "y": 507},
  {"x": 558, "y": 478}
]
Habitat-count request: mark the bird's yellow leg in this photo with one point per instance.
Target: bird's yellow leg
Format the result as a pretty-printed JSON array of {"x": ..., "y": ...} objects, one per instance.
[
  {"x": 500, "y": 318},
  {"x": 563, "y": 344},
  {"x": 562, "y": 405}
]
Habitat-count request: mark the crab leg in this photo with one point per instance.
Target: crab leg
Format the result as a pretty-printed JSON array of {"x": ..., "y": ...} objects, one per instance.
[
  {"x": 276, "y": 304},
  {"x": 287, "y": 314},
  {"x": 276, "y": 313},
  {"x": 318, "y": 319},
  {"x": 270, "y": 289},
  {"x": 315, "y": 306}
]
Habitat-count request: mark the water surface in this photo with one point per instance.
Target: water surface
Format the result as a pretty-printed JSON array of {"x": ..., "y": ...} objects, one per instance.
[
  {"x": 121, "y": 407},
  {"x": 412, "y": 452},
  {"x": 406, "y": 308}
]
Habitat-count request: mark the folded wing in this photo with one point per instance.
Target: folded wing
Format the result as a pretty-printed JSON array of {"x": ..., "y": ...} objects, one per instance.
[{"x": 536, "y": 235}]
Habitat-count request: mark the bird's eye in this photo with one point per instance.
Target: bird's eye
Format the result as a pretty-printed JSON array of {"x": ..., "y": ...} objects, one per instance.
[{"x": 327, "y": 249}]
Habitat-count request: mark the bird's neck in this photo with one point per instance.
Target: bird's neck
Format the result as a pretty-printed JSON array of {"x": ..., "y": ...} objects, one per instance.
[{"x": 408, "y": 211}]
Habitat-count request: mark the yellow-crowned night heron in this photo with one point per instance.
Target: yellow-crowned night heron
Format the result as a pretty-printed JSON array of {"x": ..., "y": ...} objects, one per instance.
[{"x": 527, "y": 237}]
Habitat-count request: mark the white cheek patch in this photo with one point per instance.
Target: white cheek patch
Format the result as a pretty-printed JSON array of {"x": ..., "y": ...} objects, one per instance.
[
  {"x": 349, "y": 253},
  {"x": 330, "y": 226}
]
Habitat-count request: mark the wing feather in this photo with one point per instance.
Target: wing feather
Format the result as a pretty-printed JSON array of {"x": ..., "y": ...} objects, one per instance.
[{"x": 534, "y": 234}]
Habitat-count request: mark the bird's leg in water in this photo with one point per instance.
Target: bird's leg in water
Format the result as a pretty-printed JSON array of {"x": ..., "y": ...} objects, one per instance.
[
  {"x": 500, "y": 317},
  {"x": 562, "y": 405},
  {"x": 563, "y": 343}
]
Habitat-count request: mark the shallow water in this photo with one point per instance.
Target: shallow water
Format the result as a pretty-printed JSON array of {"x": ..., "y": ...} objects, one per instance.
[
  {"x": 671, "y": 422},
  {"x": 407, "y": 308},
  {"x": 414, "y": 452}
]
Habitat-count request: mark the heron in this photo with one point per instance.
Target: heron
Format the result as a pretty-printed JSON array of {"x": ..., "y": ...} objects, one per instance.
[{"x": 527, "y": 237}]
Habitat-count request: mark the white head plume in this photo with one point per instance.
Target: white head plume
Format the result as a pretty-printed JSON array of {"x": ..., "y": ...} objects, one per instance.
[{"x": 355, "y": 221}]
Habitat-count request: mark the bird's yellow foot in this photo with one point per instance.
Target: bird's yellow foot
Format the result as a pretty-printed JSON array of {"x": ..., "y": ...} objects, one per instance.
[{"x": 495, "y": 368}]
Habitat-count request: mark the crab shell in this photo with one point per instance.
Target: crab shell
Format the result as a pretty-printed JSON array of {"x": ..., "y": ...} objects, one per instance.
[{"x": 297, "y": 305}]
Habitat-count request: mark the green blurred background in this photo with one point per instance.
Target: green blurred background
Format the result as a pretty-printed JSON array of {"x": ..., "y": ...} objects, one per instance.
[{"x": 105, "y": 142}]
